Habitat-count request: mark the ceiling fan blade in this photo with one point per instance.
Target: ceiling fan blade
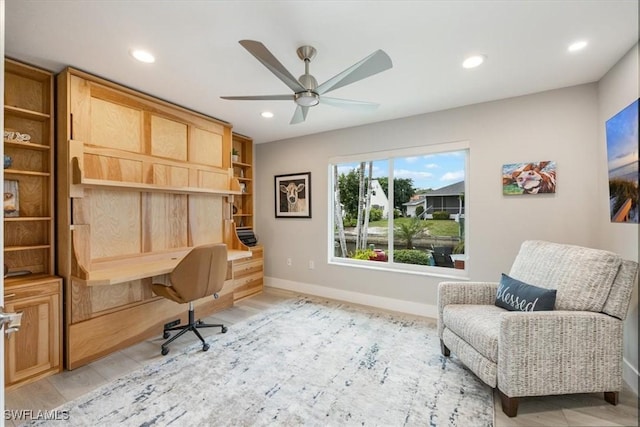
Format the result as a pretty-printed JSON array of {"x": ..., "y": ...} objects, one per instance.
[
  {"x": 350, "y": 104},
  {"x": 299, "y": 115},
  {"x": 260, "y": 98},
  {"x": 375, "y": 63},
  {"x": 267, "y": 59}
]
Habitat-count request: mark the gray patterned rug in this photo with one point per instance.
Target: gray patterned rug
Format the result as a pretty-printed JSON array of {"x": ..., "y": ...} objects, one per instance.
[{"x": 307, "y": 361}]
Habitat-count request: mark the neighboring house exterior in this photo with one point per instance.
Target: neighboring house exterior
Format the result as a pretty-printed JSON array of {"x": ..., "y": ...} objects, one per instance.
[
  {"x": 446, "y": 198},
  {"x": 379, "y": 198}
]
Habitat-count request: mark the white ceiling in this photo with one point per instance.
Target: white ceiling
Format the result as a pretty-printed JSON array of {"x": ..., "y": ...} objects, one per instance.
[{"x": 199, "y": 58}]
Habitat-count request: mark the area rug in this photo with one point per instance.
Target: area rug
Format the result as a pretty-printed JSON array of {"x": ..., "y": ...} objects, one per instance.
[{"x": 306, "y": 361}]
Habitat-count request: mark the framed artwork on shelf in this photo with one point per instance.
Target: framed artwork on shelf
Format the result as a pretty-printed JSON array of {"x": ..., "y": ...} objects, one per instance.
[
  {"x": 529, "y": 178},
  {"x": 293, "y": 195},
  {"x": 11, "y": 198}
]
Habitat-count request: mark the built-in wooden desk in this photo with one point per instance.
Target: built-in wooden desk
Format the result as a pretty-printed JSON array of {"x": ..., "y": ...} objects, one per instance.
[{"x": 120, "y": 270}]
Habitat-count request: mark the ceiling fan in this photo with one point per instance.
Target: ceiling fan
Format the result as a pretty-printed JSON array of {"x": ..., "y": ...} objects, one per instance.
[{"x": 307, "y": 92}]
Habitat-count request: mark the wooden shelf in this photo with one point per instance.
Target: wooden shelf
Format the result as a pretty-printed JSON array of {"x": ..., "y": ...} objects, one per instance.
[
  {"x": 26, "y": 145},
  {"x": 173, "y": 176},
  {"x": 10, "y": 171},
  {"x": 101, "y": 183},
  {"x": 27, "y": 218},
  {"x": 241, "y": 164},
  {"x": 25, "y": 248},
  {"x": 26, "y": 114},
  {"x": 243, "y": 172}
]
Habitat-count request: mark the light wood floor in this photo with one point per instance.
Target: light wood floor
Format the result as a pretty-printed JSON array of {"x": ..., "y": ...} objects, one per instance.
[{"x": 553, "y": 411}]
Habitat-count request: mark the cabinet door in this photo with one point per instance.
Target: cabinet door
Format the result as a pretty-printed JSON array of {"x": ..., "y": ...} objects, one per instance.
[{"x": 35, "y": 348}]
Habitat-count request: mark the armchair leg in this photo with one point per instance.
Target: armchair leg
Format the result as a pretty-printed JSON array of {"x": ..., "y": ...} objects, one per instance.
[
  {"x": 444, "y": 349},
  {"x": 611, "y": 397},
  {"x": 509, "y": 404}
]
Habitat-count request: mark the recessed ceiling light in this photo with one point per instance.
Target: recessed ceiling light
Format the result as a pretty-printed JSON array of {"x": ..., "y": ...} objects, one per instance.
[
  {"x": 143, "y": 56},
  {"x": 473, "y": 61},
  {"x": 267, "y": 114},
  {"x": 574, "y": 47}
]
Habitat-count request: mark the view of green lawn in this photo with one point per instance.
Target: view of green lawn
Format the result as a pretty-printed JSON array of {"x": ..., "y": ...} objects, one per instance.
[{"x": 436, "y": 227}]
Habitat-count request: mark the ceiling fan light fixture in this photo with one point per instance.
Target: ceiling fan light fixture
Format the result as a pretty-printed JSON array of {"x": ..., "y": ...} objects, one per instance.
[{"x": 307, "y": 98}]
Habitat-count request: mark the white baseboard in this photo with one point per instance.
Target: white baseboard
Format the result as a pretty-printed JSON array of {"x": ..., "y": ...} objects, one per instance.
[
  {"x": 629, "y": 373},
  {"x": 392, "y": 304}
]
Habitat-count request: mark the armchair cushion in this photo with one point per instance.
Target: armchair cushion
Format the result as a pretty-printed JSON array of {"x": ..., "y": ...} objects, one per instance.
[
  {"x": 582, "y": 276},
  {"x": 514, "y": 295},
  {"x": 477, "y": 325}
]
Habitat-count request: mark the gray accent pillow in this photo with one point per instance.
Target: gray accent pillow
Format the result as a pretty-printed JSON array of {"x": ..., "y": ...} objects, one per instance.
[{"x": 514, "y": 295}]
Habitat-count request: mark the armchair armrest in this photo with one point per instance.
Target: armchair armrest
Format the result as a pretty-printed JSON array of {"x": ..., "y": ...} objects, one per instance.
[
  {"x": 482, "y": 293},
  {"x": 559, "y": 352}
]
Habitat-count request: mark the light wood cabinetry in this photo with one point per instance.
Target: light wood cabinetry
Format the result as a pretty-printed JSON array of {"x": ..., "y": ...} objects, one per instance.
[
  {"x": 243, "y": 171},
  {"x": 248, "y": 274},
  {"x": 140, "y": 182},
  {"x": 35, "y": 350}
]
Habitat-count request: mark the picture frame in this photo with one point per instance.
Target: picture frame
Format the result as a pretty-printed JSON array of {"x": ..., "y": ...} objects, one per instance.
[
  {"x": 293, "y": 195},
  {"x": 623, "y": 164},
  {"x": 529, "y": 178},
  {"x": 11, "y": 198}
]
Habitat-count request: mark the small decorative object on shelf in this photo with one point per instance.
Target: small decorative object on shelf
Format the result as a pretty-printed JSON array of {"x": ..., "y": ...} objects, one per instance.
[
  {"x": 234, "y": 155},
  {"x": 14, "y": 136},
  {"x": 11, "y": 200},
  {"x": 8, "y": 161}
]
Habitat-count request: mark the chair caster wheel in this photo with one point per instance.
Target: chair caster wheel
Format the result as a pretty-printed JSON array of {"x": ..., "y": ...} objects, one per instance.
[
  {"x": 205, "y": 347},
  {"x": 224, "y": 329},
  {"x": 166, "y": 335},
  {"x": 164, "y": 351}
]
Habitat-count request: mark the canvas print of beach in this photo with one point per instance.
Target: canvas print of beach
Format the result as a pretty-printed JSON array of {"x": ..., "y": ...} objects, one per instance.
[{"x": 622, "y": 156}]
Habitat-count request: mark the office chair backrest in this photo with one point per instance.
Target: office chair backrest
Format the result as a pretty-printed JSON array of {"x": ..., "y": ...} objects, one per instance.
[{"x": 201, "y": 272}]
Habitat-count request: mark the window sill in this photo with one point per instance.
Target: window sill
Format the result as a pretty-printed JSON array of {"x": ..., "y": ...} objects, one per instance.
[{"x": 440, "y": 272}]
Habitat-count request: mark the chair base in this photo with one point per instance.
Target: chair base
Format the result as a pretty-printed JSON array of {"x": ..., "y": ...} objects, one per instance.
[{"x": 192, "y": 326}]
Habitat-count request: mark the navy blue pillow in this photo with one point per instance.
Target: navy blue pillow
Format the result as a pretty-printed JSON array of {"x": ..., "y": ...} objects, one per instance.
[{"x": 515, "y": 295}]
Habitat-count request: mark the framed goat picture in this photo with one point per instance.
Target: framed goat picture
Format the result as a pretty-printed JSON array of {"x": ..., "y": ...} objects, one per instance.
[
  {"x": 11, "y": 198},
  {"x": 529, "y": 178},
  {"x": 293, "y": 195}
]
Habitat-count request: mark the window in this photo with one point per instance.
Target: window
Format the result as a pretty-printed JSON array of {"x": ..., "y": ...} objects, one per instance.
[{"x": 401, "y": 210}]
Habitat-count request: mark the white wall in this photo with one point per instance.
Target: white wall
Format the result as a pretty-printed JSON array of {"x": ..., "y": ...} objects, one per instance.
[
  {"x": 564, "y": 125},
  {"x": 560, "y": 125},
  {"x": 617, "y": 89}
]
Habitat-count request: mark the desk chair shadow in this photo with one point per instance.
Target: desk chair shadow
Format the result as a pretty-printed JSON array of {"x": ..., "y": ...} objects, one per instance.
[{"x": 201, "y": 273}]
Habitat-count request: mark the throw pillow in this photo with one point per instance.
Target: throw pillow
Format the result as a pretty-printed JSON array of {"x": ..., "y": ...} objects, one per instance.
[{"x": 515, "y": 295}]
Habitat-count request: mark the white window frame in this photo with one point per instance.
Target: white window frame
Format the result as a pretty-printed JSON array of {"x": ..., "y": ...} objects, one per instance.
[{"x": 389, "y": 155}]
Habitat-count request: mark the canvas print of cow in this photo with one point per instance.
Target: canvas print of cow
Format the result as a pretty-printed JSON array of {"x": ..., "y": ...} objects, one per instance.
[
  {"x": 293, "y": 195},
  {"x": 529, "y": 178},
  {"x": 622, "y": 158}
]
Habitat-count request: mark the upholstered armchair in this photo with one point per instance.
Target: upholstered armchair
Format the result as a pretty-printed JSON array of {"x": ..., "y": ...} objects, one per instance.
[{"x": 574, "y": 348}]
